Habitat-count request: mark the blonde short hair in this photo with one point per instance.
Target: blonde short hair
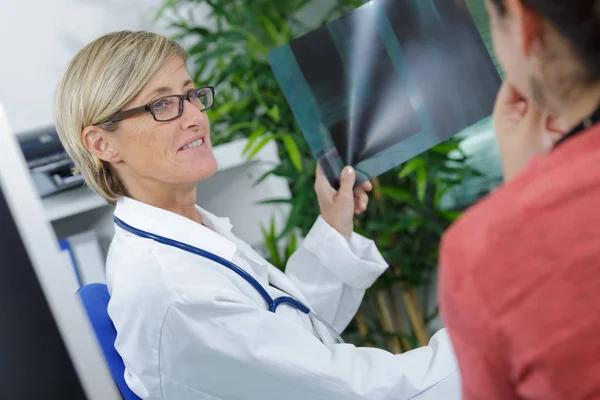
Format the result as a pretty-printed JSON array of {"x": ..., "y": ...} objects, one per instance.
[{"x": 100, "y": 80}]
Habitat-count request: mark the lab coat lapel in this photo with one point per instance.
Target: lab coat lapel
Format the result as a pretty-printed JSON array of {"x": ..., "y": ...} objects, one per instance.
[
  {"x": 273, "y": 275},
  {"x": 280, "y": 280}
]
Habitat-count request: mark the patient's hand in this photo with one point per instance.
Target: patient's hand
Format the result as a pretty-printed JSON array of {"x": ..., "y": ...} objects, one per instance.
[
  {"x": 339, "y": 207},
  {"x": 523, "y": 130}
]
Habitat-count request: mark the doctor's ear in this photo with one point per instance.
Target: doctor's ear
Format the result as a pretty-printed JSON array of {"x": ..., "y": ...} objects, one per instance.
[{"x": 100, "y": 143}]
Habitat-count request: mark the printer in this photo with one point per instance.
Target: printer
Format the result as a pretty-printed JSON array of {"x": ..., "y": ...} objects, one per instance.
[{"x": 48, "y": 162}]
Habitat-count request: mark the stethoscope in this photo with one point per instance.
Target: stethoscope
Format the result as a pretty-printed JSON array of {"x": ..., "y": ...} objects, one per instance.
[{"x": 272, "y": 303}]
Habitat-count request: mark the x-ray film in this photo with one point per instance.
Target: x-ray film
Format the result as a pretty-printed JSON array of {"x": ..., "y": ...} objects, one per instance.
[{"x": 386, "y": 82}]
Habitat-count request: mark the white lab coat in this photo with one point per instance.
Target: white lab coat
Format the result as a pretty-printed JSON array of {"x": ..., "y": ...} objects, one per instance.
[{"x": 189, "y": 328}]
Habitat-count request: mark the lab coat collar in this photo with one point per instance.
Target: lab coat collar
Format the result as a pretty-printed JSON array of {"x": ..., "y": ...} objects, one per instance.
[{"x": 215, "y": 237}]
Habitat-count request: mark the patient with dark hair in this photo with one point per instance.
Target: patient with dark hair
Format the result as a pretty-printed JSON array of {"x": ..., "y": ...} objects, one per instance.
[{"x": 520, "y": 272}]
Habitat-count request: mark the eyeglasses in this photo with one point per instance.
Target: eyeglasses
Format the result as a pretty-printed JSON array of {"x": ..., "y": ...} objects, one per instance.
[{"x": 170, "y": 107}]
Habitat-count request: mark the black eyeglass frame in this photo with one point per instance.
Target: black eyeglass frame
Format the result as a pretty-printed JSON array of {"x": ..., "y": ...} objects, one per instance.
[{"x": 132, "y": 112}]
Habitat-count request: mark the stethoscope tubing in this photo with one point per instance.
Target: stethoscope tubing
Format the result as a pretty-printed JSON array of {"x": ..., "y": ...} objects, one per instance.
[{"x": 272, "y": 304}]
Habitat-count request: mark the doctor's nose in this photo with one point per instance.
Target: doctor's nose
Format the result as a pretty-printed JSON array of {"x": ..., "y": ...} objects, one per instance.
[{"x": 192, "y": 117}]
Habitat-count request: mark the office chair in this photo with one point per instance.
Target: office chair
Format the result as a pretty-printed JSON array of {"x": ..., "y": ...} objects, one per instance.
[{"x": 95, "y": 299}]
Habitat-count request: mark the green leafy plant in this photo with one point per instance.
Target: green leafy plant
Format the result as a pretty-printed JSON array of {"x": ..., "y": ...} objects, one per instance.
[{"x": 406, "y": 216}]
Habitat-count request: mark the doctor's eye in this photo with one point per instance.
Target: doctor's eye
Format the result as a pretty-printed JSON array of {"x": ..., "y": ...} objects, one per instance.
[{"x": 165, "y": 105}]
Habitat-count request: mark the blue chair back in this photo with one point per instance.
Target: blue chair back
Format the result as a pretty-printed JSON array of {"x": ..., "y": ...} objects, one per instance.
[{"x": 95, "y": 299}]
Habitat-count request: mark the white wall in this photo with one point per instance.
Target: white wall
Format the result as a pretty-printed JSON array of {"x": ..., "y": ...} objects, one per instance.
[{"x": 39, "y": 37}]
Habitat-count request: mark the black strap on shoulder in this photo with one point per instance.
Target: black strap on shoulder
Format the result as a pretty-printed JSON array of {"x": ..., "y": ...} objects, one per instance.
[{"x": 583, "y": 126}]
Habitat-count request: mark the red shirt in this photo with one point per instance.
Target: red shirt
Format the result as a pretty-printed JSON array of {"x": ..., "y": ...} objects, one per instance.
[{"x": 520, "y": 281}]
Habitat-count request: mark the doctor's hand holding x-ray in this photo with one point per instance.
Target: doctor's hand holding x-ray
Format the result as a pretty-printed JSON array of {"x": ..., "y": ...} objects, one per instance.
[
  {"x": 198, "y": 313},
  {"x": 339, "y": 207}
]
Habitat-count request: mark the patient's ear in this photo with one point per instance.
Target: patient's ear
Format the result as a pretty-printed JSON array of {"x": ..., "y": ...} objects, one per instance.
[{"x": 100, "y": 143}]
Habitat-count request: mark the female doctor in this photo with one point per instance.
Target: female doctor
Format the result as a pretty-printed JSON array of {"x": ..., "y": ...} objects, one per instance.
[{"x": 199, "y": 314}]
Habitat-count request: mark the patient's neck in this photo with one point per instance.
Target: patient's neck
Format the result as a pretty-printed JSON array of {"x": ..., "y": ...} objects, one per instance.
[{"x": 179, "y": 199}]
